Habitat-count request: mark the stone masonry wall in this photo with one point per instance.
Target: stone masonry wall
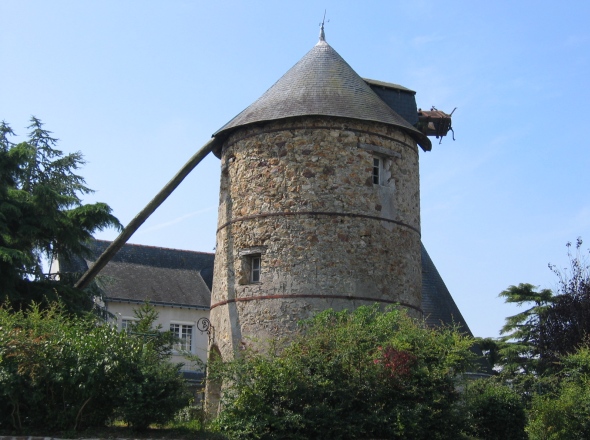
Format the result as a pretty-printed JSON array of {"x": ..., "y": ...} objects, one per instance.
[{"x": 300, "y": 195}]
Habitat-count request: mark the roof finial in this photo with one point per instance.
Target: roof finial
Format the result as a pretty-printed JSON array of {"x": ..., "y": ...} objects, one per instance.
[{"x": 322, "y": 34}]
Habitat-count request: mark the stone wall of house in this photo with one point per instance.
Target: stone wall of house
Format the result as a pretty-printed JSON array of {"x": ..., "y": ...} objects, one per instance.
[{"x": 300, "y": 195}]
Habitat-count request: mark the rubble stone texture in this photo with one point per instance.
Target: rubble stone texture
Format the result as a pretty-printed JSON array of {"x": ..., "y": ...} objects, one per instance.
[{"x": 299, "y": 194}]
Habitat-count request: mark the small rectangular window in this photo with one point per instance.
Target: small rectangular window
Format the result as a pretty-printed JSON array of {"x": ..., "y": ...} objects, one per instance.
[
  {"x": 127, "y": 324},
  {"x": 250, "y": 269},
  {"x": 184, "y": 334},
  {"x": 376, "y": 171},
  {"x": 255, "y": 269}
]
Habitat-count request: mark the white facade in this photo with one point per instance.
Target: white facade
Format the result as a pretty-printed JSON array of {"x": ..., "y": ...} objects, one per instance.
[{"x": 186, "y": 318}]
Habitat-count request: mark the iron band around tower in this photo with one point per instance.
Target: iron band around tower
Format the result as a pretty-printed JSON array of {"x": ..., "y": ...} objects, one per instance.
[
  {"x": 314, "y": 214},
  {"x": 347, "y": 297}
]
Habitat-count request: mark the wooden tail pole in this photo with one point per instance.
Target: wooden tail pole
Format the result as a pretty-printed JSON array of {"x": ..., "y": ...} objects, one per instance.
[{"x": 134, "y": 224}]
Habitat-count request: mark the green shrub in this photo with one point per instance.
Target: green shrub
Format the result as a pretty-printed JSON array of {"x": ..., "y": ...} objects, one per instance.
[
  {"x": 62, "y": 372},
  {"x": 361, "y": 374},
  {"x": 55, "y": 371},
  {"x": 152, "y": 394},
  {"x": 496, "y": 412},
  {"x": 564, "y": 412}
]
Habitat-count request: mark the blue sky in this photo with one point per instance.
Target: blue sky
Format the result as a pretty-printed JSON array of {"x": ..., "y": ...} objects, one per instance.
[{"x": 139, "y": 86}]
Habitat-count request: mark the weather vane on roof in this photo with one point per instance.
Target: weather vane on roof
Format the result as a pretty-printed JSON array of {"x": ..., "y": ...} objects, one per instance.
[{"x": 322, "y": 34}]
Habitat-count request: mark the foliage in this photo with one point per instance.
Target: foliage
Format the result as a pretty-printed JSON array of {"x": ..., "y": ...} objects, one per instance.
[
  {"x": 552, "y": 326},
  {"x": 544, "y": 354},
  {"x": 62, "y": 372},
  {"x": 515, "y": 356},
  {"x": 160, "y": 342},
  {"x": 360, "y": 374},
  {"x": 59, "y": 372},
  {"x": 152, "y": 393},
  {"x": 564, "y": 412},
  {"x": 516, "y": 352},
  {"x": 42, "y": 215},
  {"x": 521, "y": 331},
  {"x": 496, "y": 412},
  {"x": 565, "y": 326}
]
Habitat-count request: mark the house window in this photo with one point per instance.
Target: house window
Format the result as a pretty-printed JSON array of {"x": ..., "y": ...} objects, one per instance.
[
  {"x": 184, "y": 335},
  {"x": 255, "y": 269},
  {"x": 127, "y": 324},
  {"x": 377, "y": 166}
]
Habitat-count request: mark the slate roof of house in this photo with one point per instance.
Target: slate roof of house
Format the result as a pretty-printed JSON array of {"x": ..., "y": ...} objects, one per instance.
[
  {"x": 437, "y": 303},
  {"x": 440, "y": 309},
  {"x": 323, "y": 84},
  {"x": 162, "y": 276}
]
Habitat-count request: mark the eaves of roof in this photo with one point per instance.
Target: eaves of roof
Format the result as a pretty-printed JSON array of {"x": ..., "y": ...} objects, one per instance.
[
  {"x": 321, "y": 84},
  {"x": 155, "y": 303}
]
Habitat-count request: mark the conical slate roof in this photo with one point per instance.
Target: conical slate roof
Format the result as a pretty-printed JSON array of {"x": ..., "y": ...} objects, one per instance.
[{"x": 322, "y": 83}]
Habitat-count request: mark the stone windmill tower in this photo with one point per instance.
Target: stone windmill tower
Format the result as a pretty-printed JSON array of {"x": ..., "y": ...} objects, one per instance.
[{"x": 319, "y": 202}]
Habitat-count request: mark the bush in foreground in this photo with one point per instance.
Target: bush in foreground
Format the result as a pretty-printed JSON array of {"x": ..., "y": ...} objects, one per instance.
[
  {"x": 360, "y": 374},
  {"x": 495, "y": 411},
  {"x": 60, "y": 372},
  {"x": 563, "y": 410}
]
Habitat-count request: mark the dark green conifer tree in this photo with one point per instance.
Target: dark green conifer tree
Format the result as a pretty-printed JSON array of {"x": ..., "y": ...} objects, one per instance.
[{"x": 42, "y": 216}]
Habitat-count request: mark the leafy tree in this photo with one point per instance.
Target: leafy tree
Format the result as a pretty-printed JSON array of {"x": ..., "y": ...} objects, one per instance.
[
  {"x": 160, "y": 341},
  {"x": 496, "y": 411},
  {"x": 360, "y": 374},
  {"x": 552, "y": 326},
  {"x": 537, "y": 343},
  {"x": 41, "y": 216},
  {"x": 154, "y": 390},
  {"x": 517, "y": 351},
  {"x": 565, "y": 325}
]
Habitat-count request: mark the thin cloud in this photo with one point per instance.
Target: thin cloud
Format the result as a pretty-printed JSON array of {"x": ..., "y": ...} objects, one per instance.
[
  {"x": 423, "y": 40},
  {"x": 175, "y": 221}
]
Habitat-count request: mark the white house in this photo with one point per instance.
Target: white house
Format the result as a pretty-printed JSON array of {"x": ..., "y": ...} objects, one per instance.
[{"x": 176, "y": 282}]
